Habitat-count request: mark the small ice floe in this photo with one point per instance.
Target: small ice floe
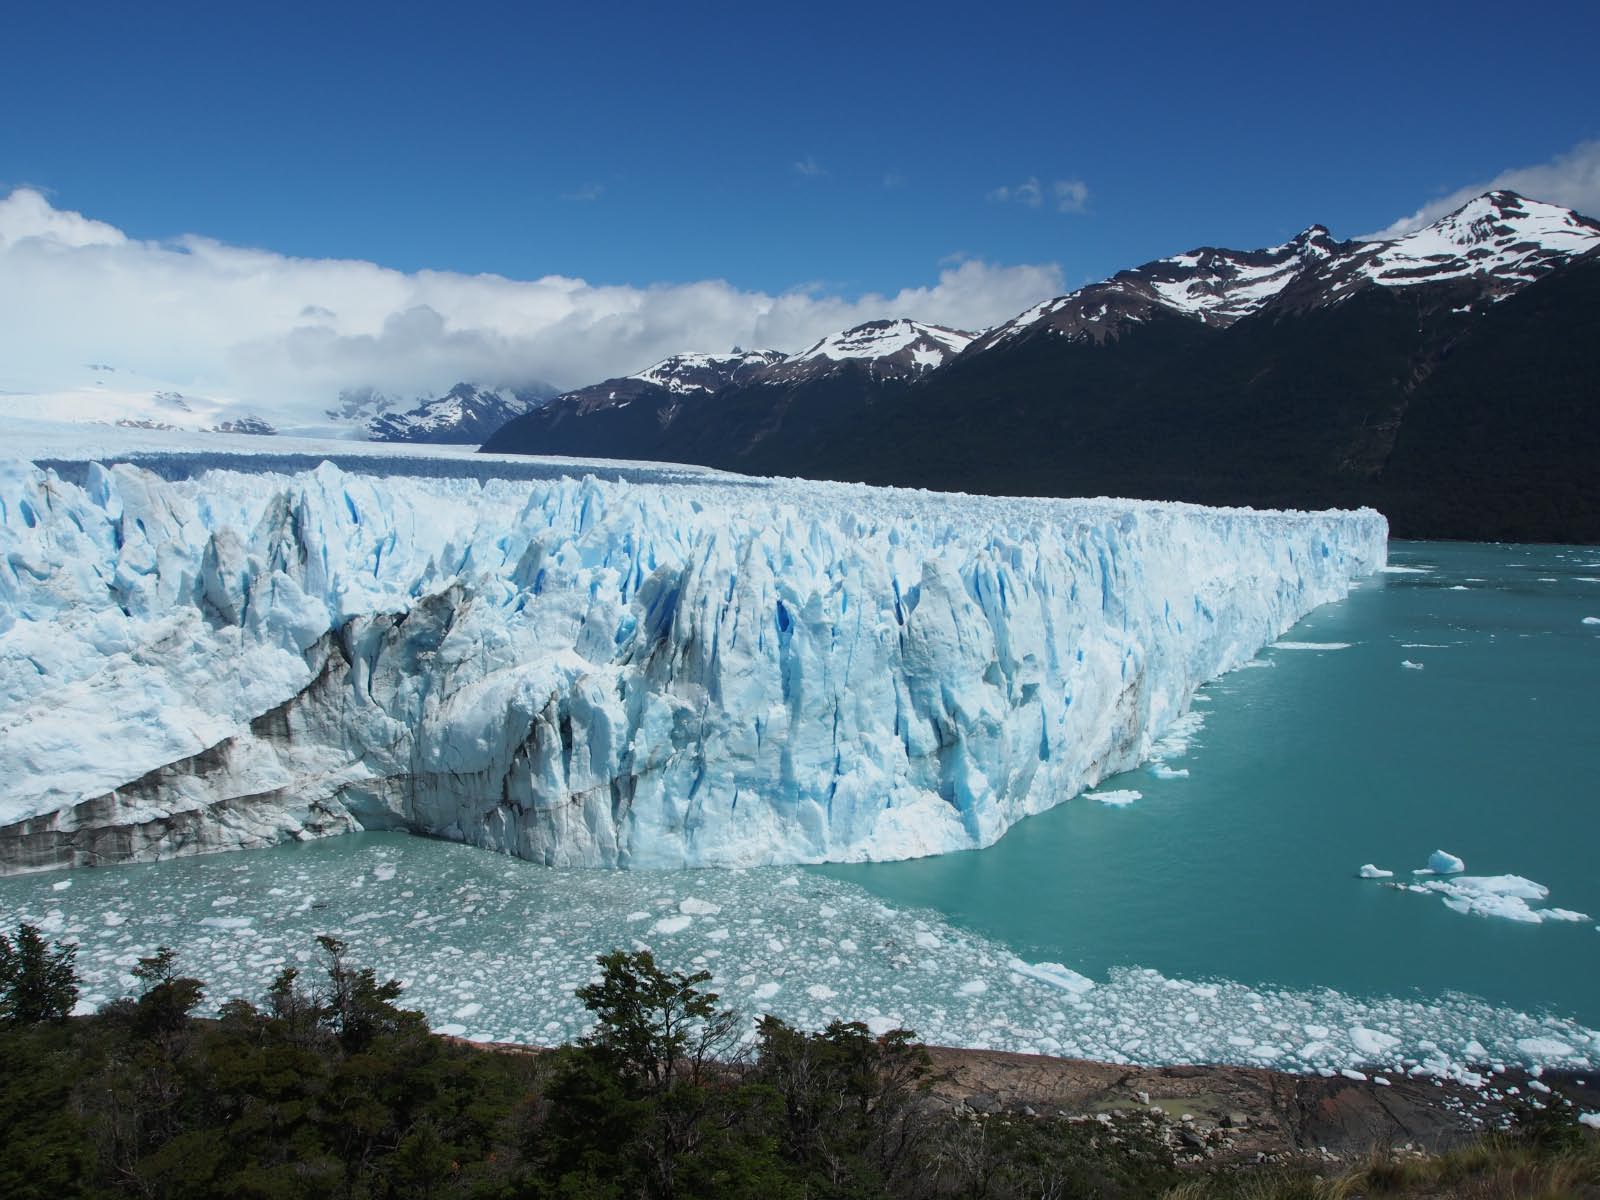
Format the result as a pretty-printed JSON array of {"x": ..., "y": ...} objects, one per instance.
[
  {"x": 1591, "y": 620},
  {"x": 62, "y": 886},
  {"x": 1368, "y": 871},
  {"x": 1409, "y": 665},
  {"x": 695, "y": 907},
  {"x": 1504, "y": 896},
  {"x": 1311, "y": 645},
  {"x": 1592, "y": 1120},
  {"x": 1372, "y": 1043},
  {"x": 973, "y": 987},
  {"x": 1407, "y": 570},
  {"x": 1054, "y": 974},
  {"x": 675, "y": 924},
  {"x": 1116, "y": 798},
  {"x": 1161, "y": 771}
]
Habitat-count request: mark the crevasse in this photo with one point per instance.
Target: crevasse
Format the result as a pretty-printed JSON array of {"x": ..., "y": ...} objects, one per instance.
[{"x": 707, "y": 671}]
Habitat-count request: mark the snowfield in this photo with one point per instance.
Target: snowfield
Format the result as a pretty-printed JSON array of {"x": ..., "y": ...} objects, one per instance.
[{"x": 662, "y": 669}]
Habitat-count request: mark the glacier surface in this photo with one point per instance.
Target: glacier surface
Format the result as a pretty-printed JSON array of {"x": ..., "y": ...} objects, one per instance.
[{"x": 656, "y": 670}]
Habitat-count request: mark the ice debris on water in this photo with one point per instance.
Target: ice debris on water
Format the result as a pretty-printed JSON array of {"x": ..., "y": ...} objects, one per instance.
[
  {"x": 1116, "y": 798},
  {"x": 1369, "y": 871},
  {"x": 1505, "y": 896},
  {"x": 517, "y": 939}
]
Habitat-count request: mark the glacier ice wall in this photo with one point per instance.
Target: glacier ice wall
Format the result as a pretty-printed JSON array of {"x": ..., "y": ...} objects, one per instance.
[{"x": 707, "y": 672}]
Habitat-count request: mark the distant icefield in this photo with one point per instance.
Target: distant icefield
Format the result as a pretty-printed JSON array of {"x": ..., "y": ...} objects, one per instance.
[{"x": 659, "y": 668}]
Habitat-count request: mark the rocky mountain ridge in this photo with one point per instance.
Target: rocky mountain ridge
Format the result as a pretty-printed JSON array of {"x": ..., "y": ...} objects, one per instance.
[{"x": 1284, "y": 376}]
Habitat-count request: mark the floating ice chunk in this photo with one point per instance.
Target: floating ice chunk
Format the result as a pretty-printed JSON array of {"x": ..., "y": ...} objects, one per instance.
[
  {"x": 1592, "y": 1120},
  {"x": 1591, "y": 621},
  {"x": 467, "y": 1011},
  {"x": 1372, "y": 1042},
  {"x": 227, "y": 922},
  {"x": 821, "y": 992},
  {"x": 1380, "y": 1081},
  {"x": 877, "y": 1026},
  {"x": 1442, "y": 862},
  {"x": 973, "y": 987},
  {"x": 1352, "y": 1073},
  {"x": 1409, "y": 665},
  {"x": 767, "y": 991},
  {"x": 1544, "y": 1047},
  {"x": 451, "y": 1030},
  {"x": 1055, "y": 975},
  {"x": 1368, "y": 871},
  {"x": 1161, "y": 771},
  {"x": 383, "y": 872},
  {"x": 1311, "y": 645},
  {"x": 1393, "y": 570},
  {"x": 672, "y": 924},
  {"x": 637, "y": 915},
  {"x": 61, "y": 885},
  {"x": 695, "y": 907},
  {"x": 1116, "y": 798}
]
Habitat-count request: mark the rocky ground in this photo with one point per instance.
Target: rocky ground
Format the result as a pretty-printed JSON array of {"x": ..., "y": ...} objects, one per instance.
[{"x": 1246, "y": 1113}]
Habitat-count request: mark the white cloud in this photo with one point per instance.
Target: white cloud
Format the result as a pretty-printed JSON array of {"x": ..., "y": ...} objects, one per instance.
[
  {"x": 1066, "y": 195},
  {"x": 1071, "y": 195},
  {"x": 1571, "y": 180},
  {"x": 589, "y": 191},
  {"x": 810, "y": 167},
  {"x": 1028, "y": 192},
  {"x": 282, "y": 336}
]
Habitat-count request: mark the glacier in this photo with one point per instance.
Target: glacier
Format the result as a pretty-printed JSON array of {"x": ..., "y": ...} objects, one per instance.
[{"x": 653, "y": 670}]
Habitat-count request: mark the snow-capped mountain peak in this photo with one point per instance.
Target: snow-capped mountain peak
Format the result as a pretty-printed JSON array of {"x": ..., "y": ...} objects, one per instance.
[
  {"x": 685, "y": 373},
  {"x": 1500, "y": 235},
  {"x": 899, "y": 348},
  {"x": 1501, "y": 239},
  {"x": 466, "y": 414}
]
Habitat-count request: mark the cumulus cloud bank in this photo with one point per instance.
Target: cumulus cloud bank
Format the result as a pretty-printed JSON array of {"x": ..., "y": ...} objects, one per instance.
[
  {"x": 1571, "y": 180},
  {"x": 284, "y": 335}
]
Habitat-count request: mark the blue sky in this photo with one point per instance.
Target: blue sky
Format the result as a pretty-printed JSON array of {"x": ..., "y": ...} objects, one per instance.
[
  {"x": 643, "y": 143},
  {"x": 262, "y": 205}
]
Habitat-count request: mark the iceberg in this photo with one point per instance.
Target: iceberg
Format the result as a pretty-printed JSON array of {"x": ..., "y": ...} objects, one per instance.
[{"x": 659, "y": 669}]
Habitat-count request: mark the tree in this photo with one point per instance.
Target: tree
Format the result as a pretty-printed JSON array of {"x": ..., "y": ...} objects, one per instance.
[
  {"x": 358, "y": 1007},
  {"x": 655, "y": 1027},
  {"x": 168, "y": 998},
  {"x": 36, "y": 983},
  {"x": 852, "y": 1103}
]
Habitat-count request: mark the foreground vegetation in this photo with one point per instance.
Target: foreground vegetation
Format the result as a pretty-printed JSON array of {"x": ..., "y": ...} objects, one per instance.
[{"x": 331, "y": 1089}]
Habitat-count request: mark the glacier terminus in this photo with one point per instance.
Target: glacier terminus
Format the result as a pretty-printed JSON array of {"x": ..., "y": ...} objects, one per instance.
[{"x": 660, "y": 669}]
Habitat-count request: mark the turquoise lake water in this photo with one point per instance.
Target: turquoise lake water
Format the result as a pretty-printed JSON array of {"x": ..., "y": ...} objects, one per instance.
[
  {"x": 1326, "y": 760},
  {"x": 1218, "y": 917}
]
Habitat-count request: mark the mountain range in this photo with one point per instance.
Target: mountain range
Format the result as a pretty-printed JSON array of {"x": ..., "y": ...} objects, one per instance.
[
  {"x": 1450, "y": 378},
  {"x": 464, "y": 415}
]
